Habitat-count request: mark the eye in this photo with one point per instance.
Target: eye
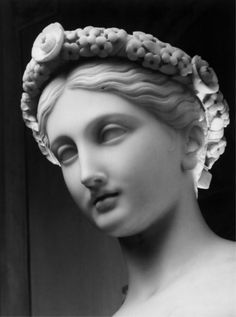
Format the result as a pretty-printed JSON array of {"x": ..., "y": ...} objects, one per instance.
[
  {"x": 66, "y": 153},
  {"x": 111, "y": 132}
]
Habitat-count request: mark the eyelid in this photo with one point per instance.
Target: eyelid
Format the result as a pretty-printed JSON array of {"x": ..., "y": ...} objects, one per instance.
[
  {"x": 113, "y": 126},
  {"x": 62, "y": 149},
  {"x": 110, "y": 127}
]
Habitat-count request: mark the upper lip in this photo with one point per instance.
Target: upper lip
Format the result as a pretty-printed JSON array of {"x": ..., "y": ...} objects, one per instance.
[{"x": 96, "y": 196}]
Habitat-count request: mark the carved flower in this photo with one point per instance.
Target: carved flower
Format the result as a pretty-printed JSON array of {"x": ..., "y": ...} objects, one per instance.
[
  {"x": 141, "y": 36},
  {"x": 70, "y": 51},
  {"x": 204, "y": 78},
  {"x": 132, "y": 49},
  {"x": 48, "y": 43},
  {"x": 25, "y": 101},
  {"x": 216, "y": 149},
  {"x": 111, "y": 35},
  {"x": 101, "y": 50},
  {"x": 151, "y": 61}
]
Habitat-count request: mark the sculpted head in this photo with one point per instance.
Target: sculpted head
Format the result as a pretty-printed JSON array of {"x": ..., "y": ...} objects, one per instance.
[
  {"x": 126, "y": 129},
  {"x": 166, "y": 100},
  {"x": 126, "y": 113}
]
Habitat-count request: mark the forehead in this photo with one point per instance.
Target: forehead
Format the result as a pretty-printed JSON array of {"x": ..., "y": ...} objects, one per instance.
[{"x": 79, "y": 107}]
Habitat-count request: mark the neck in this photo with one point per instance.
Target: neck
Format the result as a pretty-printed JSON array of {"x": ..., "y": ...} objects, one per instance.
[{"x": 162, "y": 254}]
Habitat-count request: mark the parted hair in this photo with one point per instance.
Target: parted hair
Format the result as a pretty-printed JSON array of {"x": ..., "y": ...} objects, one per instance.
[{"x": 168, "y": 100}]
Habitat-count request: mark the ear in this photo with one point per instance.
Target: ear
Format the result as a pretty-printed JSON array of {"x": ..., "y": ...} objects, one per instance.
[{"x": 193, "y": 142}]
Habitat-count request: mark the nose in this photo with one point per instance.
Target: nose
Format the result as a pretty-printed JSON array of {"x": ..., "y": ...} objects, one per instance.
[
  {"x": 94, "y": 181},
  {"x": 92, "y": 174}
]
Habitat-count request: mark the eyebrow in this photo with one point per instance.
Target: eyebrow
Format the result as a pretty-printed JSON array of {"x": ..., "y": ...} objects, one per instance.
[{"x": 117, "y": 117}]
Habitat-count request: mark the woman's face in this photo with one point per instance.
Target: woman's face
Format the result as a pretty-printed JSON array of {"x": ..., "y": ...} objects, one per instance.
[{"x": 121, "y": 165}]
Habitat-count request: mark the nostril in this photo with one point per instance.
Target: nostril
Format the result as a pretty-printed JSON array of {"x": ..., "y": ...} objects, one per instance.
[
  {"x": 94, "y": 181},
  {"x": 98, "y": 180}
]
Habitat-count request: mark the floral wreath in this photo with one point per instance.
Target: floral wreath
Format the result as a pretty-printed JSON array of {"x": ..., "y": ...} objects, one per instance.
[{"x": 55, "y": 47}]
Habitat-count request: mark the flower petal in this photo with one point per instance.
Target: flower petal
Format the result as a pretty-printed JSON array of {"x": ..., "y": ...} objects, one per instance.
[{"x": 48, "y": 43}]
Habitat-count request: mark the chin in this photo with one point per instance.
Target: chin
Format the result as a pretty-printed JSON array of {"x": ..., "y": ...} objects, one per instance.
[
  {"x": 120, "y": 229},
  {"x": 112, "y": 223}
]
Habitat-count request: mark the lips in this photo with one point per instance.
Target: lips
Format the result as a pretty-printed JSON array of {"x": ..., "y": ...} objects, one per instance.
[{"x": 106, "y": 201}]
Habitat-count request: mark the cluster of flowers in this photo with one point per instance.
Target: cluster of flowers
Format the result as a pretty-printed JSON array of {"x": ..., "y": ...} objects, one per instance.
[
  {"x": 217, "y": 115},
  {"x": 55, "y": 47}
]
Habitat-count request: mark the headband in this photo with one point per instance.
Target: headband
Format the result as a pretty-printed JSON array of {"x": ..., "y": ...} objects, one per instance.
[{"x": 54, "y": 47}]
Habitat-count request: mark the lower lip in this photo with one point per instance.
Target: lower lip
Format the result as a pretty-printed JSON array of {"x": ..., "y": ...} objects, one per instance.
[{"x": 106, "y": 204}]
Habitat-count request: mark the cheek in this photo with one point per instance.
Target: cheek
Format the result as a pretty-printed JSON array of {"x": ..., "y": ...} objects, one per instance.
[
  {"x": 74, "y": 186},
  {"x": 149, "y": 172}
]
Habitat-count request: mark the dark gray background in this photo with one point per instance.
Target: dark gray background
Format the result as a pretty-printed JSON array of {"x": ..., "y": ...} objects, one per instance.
[{"x": 52, "y": 261}]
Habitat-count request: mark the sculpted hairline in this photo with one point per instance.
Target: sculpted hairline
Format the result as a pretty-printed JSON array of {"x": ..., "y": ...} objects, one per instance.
[{"x": 150, "y": 90}]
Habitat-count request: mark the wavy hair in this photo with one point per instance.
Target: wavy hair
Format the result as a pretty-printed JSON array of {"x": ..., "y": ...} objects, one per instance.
[{"x": 168, "y": 100}]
